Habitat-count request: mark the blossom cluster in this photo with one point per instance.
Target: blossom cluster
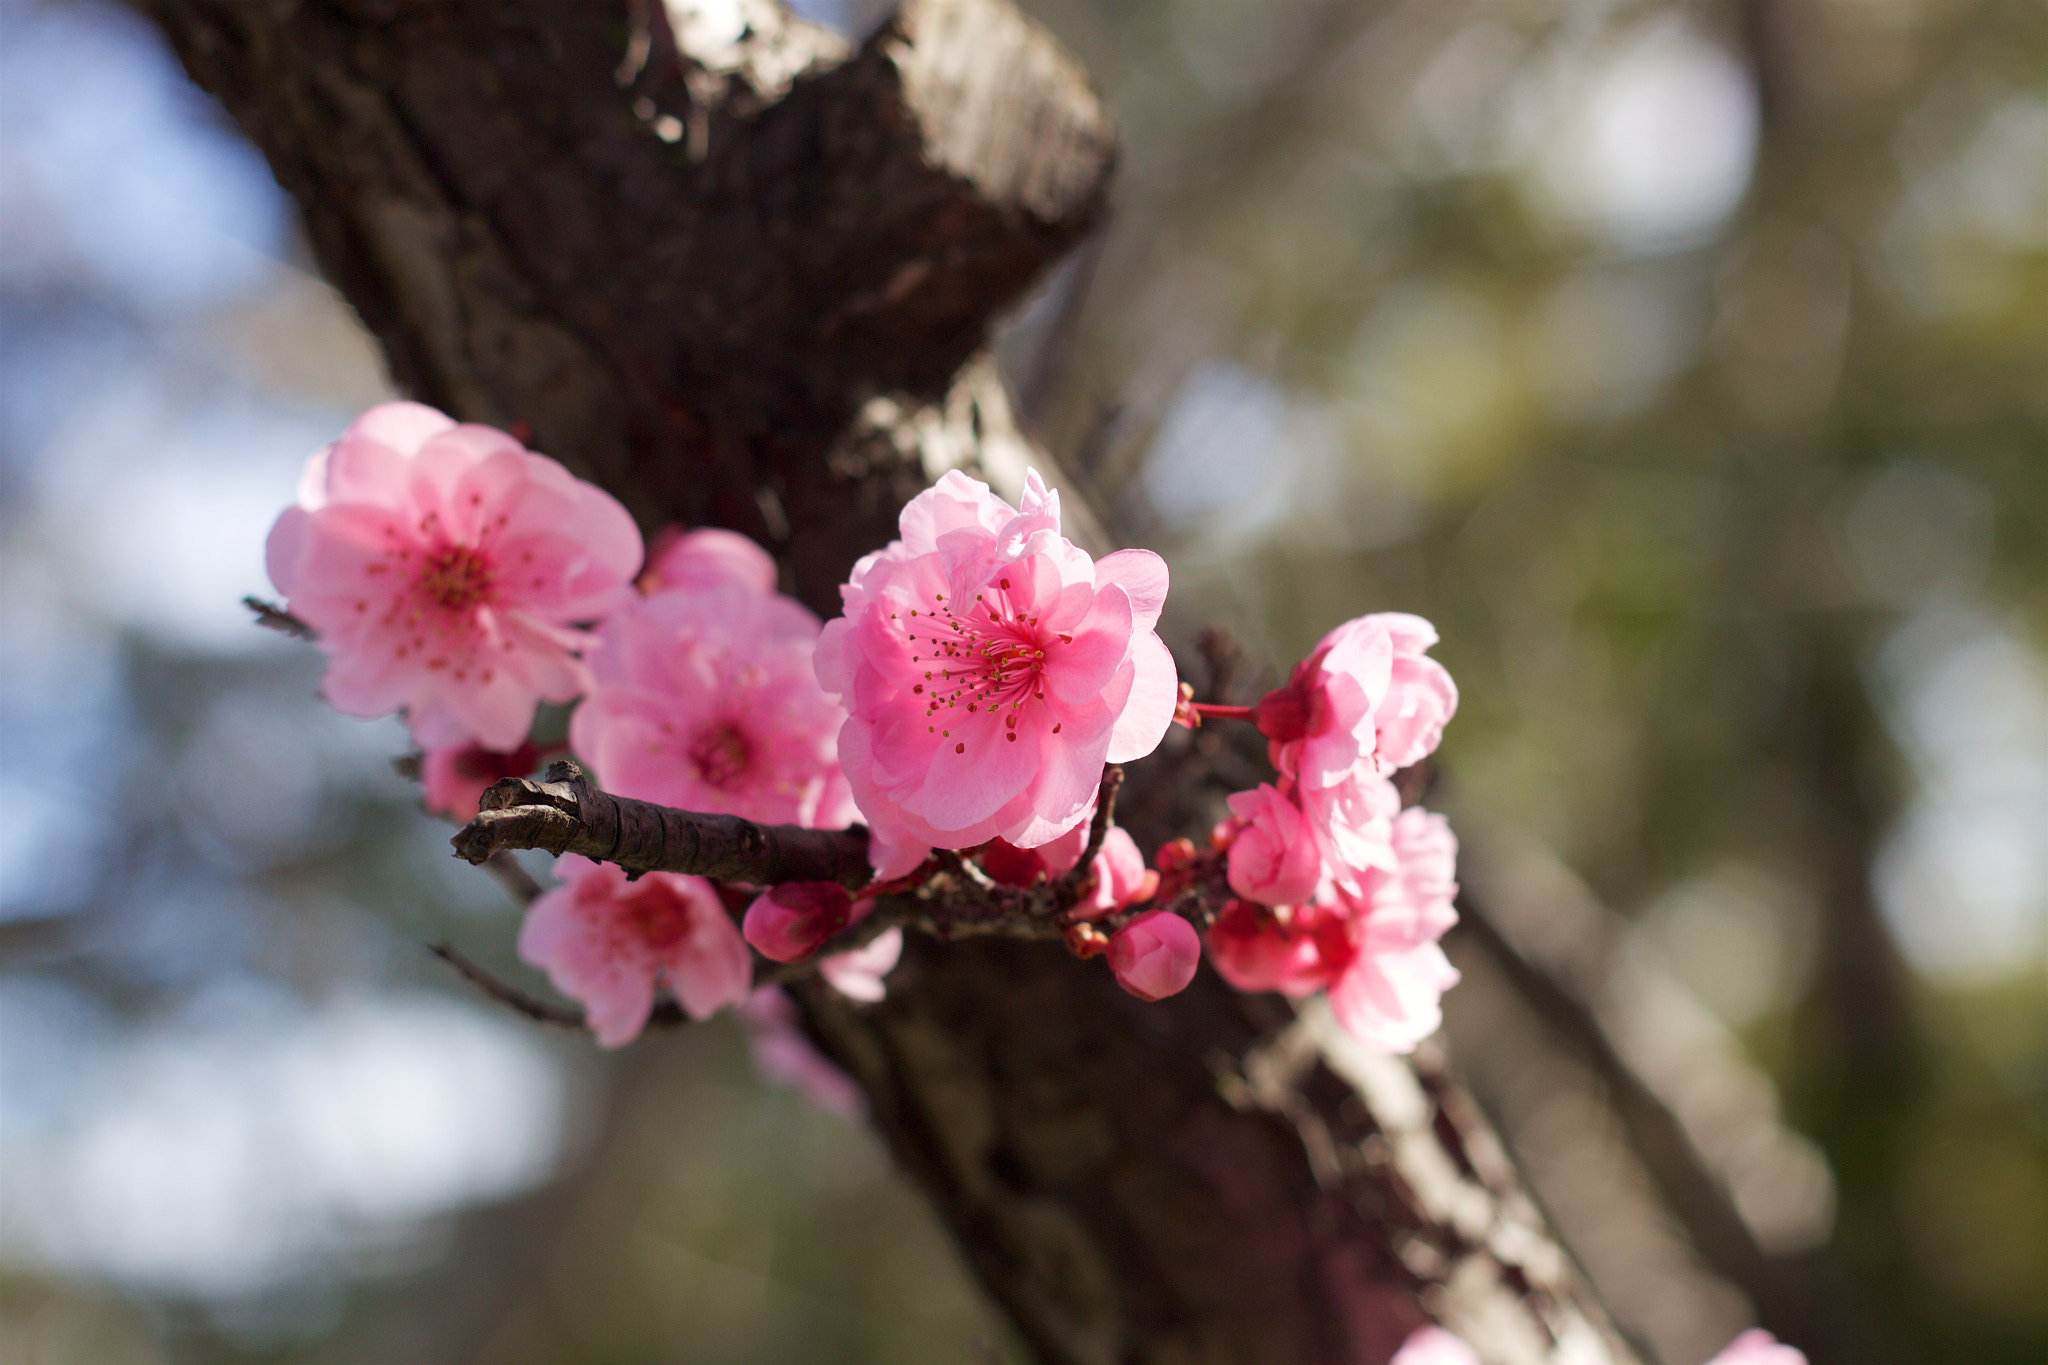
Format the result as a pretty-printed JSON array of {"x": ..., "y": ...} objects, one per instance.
[
  {"x": 983, "y": 672},
  {"x": 1338, "y": 888}
]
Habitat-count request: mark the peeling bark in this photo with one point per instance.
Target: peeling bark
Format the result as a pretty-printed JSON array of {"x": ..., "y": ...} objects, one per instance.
[{"x": 741, "y": 279}]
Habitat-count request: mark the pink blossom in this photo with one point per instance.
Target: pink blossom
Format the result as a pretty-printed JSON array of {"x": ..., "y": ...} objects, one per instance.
[
  {"x": 1434, "y": 1346},
  {"x": 453, "y": 779},
  {"x": 1274, "y": 856},
  {"x": 790, "y": 920},
  {"x": 858, "y": 975},
  {"x": 785, "y": 1057},
  {"x": 605, "y": 941},
  {"x": 1372, "y": 945},
  {"x": 1387, "y": 993},
  {"x": 707, "y": 558},
  {"x": 703, "y": 696},
  {"x": 1758, "y": 1347},
  {"x": 1120, "y": 875},
  {"x": 443, "y": 567},
  {"x": 1155, "y": 955},
  {"x": 1264, "y": 948},
  {"x": 1349, "y": 822},
  {"x": 1366, "y": 702},
  {"x": 990, "y": 668}
]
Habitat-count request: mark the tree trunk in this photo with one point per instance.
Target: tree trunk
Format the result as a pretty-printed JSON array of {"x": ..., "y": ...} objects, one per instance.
[{"x": 741, "y": 276}]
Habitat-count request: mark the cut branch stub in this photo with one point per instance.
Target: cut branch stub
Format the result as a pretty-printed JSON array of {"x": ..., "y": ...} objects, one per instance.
[
  {"x": 683, "y": 259},
  {"x": 563, "y": 813}
]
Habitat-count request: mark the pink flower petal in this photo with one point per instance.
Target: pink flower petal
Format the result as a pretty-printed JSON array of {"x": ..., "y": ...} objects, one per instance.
[
  {"x": 401, "y": 427},
  {"x": 1758, "y": 1347},
  {"x": 858, "y": 975},
  {"x": 1434, "y": 1346},
  {"x": 1148, "y": 710},
  {"x": 710, "y": 968},
  {"x": 1142, "y": 575},
  {"x": 708, "y": 558},
  {"x": 1077, "y": 670}
]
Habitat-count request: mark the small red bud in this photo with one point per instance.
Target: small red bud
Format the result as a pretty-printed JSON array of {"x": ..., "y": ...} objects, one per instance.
[
  {"x": 1012, "y": 866},
  {"x": 1085, "y": 940}
]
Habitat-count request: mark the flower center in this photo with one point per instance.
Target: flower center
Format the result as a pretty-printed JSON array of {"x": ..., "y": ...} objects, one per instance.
[
  {"x": 656, "y": 917},
  {"x": 721, "y": 753},
  {"x": 985, "y": 658},
  {"x": 455, "y": 578}
]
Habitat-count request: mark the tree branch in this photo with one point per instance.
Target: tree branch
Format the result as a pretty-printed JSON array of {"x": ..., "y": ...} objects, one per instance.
[{"x": 563, "y": 813}]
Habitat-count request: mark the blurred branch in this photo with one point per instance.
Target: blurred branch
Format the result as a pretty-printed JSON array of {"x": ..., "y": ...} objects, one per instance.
[
  {"x": 1079, "y": 877},
  {"x": 517, "y": 881},
  {"x": 540, "y": 1011},
  {"x": 273, "y": 617},
  {"x": 1702, "y": 1119}
]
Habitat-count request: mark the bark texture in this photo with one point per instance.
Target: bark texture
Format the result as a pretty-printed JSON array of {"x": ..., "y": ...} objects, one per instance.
[
  {"x": 739, "y": 276},
  {"x": 563, "y": 813}
]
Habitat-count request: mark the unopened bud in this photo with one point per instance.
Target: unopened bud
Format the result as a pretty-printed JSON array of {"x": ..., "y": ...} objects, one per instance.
[
  {"x": 791, "y": 919},
  {"x": 1282, "y": 714},
  {"x": 1085, "y": 940}
]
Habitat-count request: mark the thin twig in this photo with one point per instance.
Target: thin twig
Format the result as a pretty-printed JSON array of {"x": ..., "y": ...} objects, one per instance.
[
  {"x": 562, "y": 1016},
  {"x": 1219, "y": 650},
  {"x": 517, "y": 881},
  {"x": 1069, "y": 890},
  {"x": 665, "y": 1014},
  {"x": 273, "y": 617}
]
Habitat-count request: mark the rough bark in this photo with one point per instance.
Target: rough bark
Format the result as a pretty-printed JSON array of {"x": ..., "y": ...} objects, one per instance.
[{"x": 740, "y": 278}]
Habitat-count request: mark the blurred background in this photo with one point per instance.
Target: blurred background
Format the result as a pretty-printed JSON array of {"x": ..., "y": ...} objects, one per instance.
[{"x": 1686, "y": 363}]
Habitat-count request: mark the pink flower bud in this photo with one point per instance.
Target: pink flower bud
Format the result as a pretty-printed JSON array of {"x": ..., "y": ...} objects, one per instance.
[
  {"x": 790, "y": 920},
  {"x": 1155, "y": 955},
  {"x": 1013, "y": 866},
  {"x": 1175, "y": 863}
]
